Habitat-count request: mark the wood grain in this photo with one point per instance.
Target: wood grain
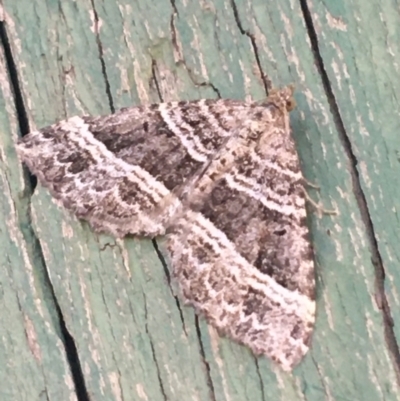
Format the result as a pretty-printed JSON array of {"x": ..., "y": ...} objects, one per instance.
[
  {"x": 32, "y": 355},
  {"x": 134, "y": 340}
]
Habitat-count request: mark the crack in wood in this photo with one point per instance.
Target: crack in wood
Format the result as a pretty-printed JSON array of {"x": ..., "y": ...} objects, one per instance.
[{"x": 376, "y": 258}]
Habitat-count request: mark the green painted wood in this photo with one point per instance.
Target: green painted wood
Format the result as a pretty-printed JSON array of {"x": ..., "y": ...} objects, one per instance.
[
  {"x": 363, "y": 70},
  {"x": 33, "y": 364},
  {"x": 134, "y": 339}
]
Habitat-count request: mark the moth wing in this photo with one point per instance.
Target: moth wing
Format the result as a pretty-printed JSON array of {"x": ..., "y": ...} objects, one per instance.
[
  {"x": 235, "y": 297},
  {"x": 240, "y": 252},
  {"x": 125, "y": 173}
]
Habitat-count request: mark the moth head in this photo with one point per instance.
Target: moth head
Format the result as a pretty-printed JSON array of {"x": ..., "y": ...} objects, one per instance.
[{"x": 283, "y": 98}]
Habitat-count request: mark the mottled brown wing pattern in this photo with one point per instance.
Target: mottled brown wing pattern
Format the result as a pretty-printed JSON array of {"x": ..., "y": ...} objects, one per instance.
[
  {"x": 241, "y": 252},
  {"x": 125, "y": 173},
  {"x": 222, "y": 178}
]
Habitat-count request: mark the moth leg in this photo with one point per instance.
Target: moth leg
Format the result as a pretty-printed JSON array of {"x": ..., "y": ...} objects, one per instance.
[
  {"x": 319, "y": 207},
  {"x": 310, "y": 184}
]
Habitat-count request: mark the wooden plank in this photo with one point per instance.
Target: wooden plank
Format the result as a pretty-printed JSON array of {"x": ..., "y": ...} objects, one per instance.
[
  {"x": 134, "y": 339},
  {"x": 33, "y": 364},
  {"x": 362, "y": 70}
]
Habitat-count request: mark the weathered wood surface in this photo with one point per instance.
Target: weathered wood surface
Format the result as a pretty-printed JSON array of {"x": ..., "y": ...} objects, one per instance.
[{"x": 85, "y": 316}]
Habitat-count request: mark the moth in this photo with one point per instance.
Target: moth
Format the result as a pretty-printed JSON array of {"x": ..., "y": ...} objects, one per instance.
[{"x": 221, "y": 179}]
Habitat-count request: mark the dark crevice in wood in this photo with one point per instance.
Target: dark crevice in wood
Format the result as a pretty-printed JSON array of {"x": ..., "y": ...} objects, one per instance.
[
  {"x": 376, "y": 258},
  {"x": 172, "y": 26},
  {"x": 72, "y": 356},
  {"x": 13, "y": 74},
  {"x": 168, "y": 275},
  {"x": 264, "y": 77},
  {"x": 154, "y": 77},
  {"x": 30, "y": 235},
  {"x": 191, "y": 76},
  {"x": 204, "y": 359},
  {"x": 322, "y": 380},
  {"x": 23, "y": 122},
  {"x": 153, "y": 351},
  {"x": 101, "y": 58},
  {"x": 181, "y": 60},
  {"x": 67, "y": 339},
  {"x": 204, "y": 84},
  {"x": 173, "y": 4},
  {"x": 260, "y": 379}
]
